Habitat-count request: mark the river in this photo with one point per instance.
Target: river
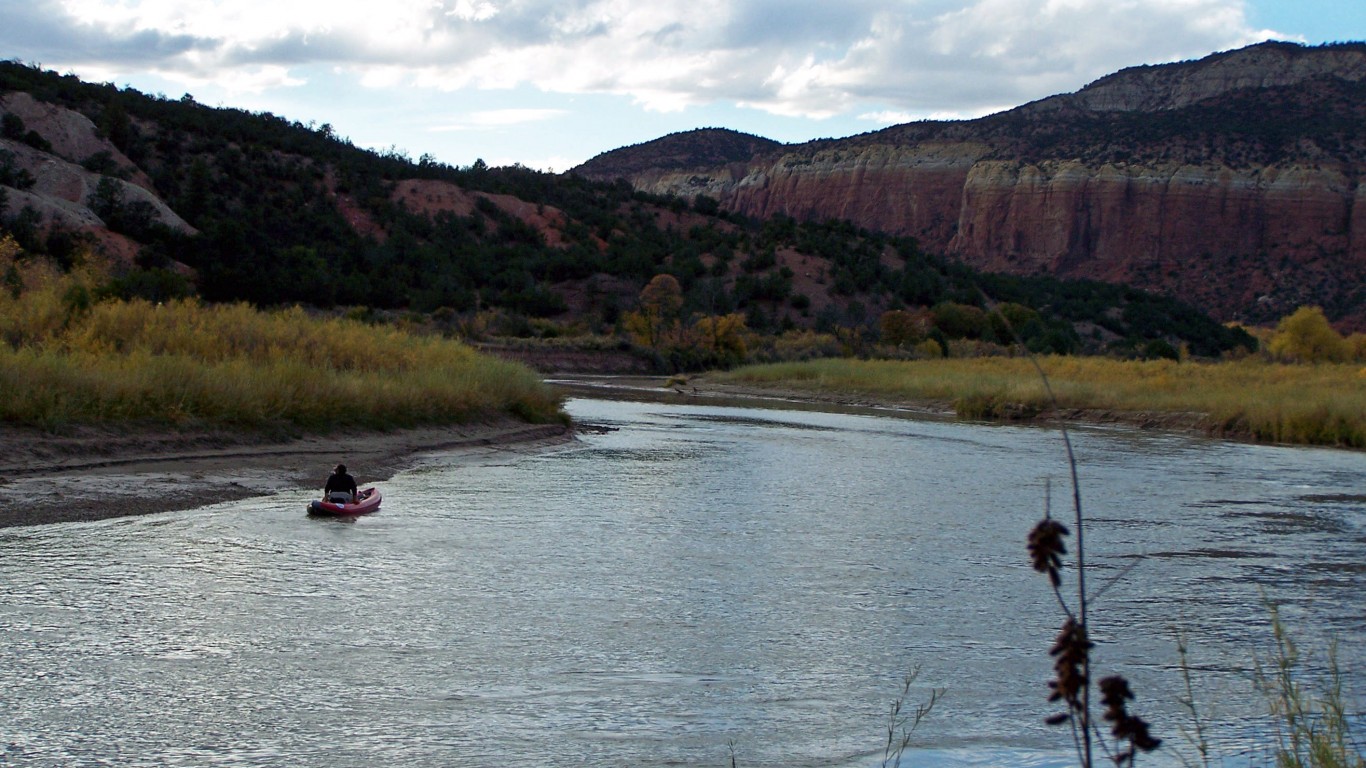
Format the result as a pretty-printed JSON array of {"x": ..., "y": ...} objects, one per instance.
[{"x": 683, "y": 585}]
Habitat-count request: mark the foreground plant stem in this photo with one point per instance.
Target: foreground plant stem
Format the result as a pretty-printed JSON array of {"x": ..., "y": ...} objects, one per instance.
[{"x": 1072, "y": 648}]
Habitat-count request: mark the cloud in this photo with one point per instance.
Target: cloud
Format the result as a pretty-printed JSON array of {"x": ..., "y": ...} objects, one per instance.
[
  {"x": 473, "y": 10},
  {"x": 39, "y": 31},
  {"x": 497, "y": 118},
  {"x": 805, "y": 58},
  {"x": 888, "y": 117}
]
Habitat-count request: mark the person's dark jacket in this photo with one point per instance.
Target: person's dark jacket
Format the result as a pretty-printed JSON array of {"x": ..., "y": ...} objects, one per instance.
[{"x": 341, "y": 481}]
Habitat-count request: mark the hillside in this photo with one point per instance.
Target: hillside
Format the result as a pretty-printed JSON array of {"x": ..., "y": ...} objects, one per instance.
[
  {"x": 1234, "y": 182},
  {"x": 236, "y": 206},
  {"x": 704, "y": 147}
]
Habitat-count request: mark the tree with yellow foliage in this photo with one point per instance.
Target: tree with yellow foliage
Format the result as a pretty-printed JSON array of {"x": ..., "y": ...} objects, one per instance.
[
  {"x": 1305, "y": 336},
  {"x": 660, "y": 302},
  {"x": 1357, "y": 343},
  {"x": 724, "y": 334}
]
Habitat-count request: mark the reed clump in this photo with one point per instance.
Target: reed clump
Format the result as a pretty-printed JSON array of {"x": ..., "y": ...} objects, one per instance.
[
  {"x": 70, "y": 357},
  {"x": 1322, "y": 404},
  {"x": 1314, "y": 726}
]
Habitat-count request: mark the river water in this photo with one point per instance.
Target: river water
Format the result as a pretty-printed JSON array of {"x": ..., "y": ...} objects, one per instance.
[{"x": 687, "y": 585}]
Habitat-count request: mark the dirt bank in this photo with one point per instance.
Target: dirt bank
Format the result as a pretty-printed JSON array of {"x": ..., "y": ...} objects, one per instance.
[{"x": 94, "y": 474}]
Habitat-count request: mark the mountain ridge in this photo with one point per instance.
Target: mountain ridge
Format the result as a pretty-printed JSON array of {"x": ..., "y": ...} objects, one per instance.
[
  {"x": 1233, "y": 181},
  {"x": 1155, "y": 87}
]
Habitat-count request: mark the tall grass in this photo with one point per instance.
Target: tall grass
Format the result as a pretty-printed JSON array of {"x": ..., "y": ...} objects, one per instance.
[
  {"x": 1321, "y": 404},
  {"x": 1314, "y": 728},
  {"x": 69, "y": 359}
]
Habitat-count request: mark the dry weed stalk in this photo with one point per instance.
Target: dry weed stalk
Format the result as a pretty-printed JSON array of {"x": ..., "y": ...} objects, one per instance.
[
  {"x": 901, "y": 724},
  {"x": 1071, "y": 649}
]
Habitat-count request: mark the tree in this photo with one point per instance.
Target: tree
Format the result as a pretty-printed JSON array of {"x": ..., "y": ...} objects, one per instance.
[
  {"x": 116, "y": 125},
  {"x": 708, "y": 206},
  {"x": 1305, "y": 336},
  {"x": 1357, "y": 342},
  {"x": 12, "y": 127},
  {"x": 11, "y": 175},
  {"x": 1012, "y": 322},
  {"x": 725, "y": 334},
  {"x": 960, "y": 321},
  {"x": 107, "y": 199},
  {"x": 901, "y": 328},
  {"x": 660, "y": 302}
]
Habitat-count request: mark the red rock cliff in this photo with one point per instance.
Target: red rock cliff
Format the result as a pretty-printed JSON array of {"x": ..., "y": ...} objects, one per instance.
[{"x": 1234, "y": 182}]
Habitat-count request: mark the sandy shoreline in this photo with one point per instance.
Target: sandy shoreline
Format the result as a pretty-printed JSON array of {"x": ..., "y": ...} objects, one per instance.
[{"x": 100, "y": 474}]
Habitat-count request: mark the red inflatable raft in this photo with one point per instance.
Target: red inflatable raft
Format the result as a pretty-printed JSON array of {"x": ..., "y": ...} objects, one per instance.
[{"x": 366, "y": 501}]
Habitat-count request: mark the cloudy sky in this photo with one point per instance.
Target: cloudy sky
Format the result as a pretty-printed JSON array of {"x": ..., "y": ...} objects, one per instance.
[{"x": 551, "y": 83}]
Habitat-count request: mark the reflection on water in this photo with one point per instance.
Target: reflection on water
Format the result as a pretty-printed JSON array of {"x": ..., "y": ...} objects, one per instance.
[{"x": 688, "y": 578}]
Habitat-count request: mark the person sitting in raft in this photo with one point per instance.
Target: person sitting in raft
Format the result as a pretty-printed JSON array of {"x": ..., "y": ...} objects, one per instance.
[{"x": 341, "y": 487}]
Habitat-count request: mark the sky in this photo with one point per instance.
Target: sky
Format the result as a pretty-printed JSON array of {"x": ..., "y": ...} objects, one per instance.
[{"x": 549, "y": 84}]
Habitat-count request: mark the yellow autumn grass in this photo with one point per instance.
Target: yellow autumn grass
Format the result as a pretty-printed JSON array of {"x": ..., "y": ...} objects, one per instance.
[
  {"x": 1308, "y": 404},
  {"x": 68, "y": 359}
]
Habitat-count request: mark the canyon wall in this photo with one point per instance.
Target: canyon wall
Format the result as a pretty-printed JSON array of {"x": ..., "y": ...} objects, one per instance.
[
  {"x": 1246, "y": 244},
  {"x": 1170, "y": 178}
]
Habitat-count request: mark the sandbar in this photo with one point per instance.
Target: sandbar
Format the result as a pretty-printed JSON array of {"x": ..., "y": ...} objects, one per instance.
[{"x": 92, "y": 473}]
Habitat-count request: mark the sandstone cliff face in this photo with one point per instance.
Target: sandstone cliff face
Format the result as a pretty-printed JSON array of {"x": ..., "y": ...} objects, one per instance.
[
  {"x": 1248, "y": 244},
  {"x": 898, "y": 190},
  {"x": 1245, "y": 244},
  {"x": 1070, "y": 218},
  {"x": 1247, "y": 241}
]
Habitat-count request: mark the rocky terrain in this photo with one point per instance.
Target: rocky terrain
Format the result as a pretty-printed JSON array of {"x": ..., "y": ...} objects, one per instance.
[
  {"x": 68, "y": 134},
  {"x": 1234, "y": 182},
  {"x": 62, "y": 189}
]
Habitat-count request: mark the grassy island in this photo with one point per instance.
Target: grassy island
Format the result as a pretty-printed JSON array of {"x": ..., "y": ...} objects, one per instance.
[
  {"x": 1322, "y": 404},
  {"x": 70, "y": 357}
]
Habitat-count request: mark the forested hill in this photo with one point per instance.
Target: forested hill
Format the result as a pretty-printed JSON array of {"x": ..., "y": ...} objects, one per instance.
[{"x": 235, "y": 205}]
